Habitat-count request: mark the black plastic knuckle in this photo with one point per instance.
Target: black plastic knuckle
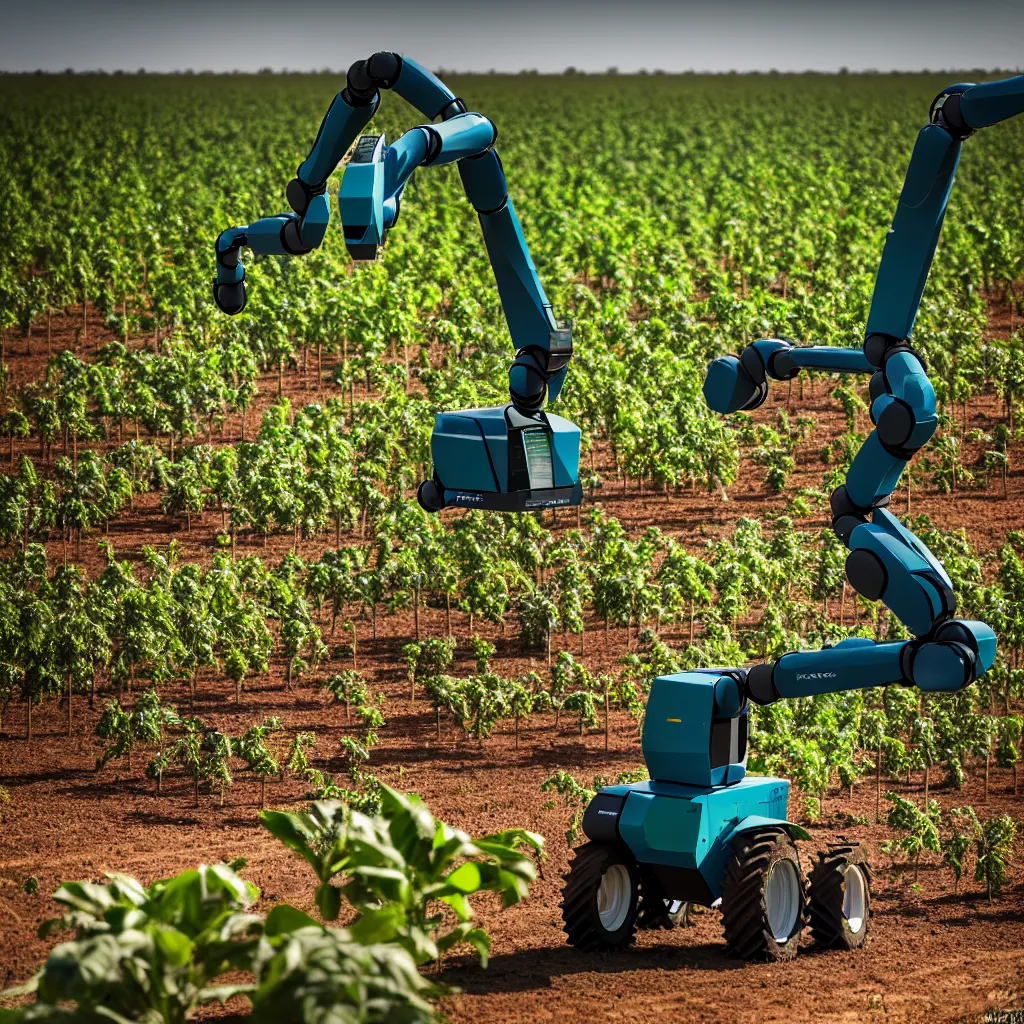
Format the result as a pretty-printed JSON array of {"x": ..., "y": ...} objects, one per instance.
[
  {"x": 877, "y": 346},
  {"x": 760, "y": 684},
  {"x": 383, "y": 68},
  {"x": 434, "y": 144},
  {"x": 956, "y": 632},
  {"x": 907, "y": 658},
  {"x": 229, "y": 258},
  {"x": 781, "y": 365},
  {"x": 452, "y": 109},
  {"x": 360, "y": 88},
  {"x": 753, "y": 364},
  {"x": 291, "y": 239},
  {"x": 946, "y": 595},
  {"x": 844, "y": 526},
  {"x": 895, "y": 426},
  {"x": 946, "y": 111},
  {"x": 878, "y": 385},
  {"x": 230, "y": 298},
  {"x": 867, "y": 574}
]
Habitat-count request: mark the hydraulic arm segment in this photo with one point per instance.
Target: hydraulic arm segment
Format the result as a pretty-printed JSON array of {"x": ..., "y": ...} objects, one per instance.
[
  {"x": 886, "y": 561},
  {"x": 511, "y": 457}
]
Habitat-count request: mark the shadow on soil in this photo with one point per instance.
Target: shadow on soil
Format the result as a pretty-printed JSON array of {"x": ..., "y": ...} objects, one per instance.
[{"x": 534, "y": 968}]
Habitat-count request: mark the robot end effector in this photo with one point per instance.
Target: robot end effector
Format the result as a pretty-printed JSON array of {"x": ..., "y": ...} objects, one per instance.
[{"x": 740, "y": 383}]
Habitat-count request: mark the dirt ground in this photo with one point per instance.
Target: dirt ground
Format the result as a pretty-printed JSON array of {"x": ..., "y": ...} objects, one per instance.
[{"x": 932, "y": 955}]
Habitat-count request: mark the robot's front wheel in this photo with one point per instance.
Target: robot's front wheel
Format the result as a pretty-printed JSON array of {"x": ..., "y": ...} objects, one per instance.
[
  {"x": 840, "y": 897},
  {"x": 600, "y": 898},
  {"x": 764, "y": 906}
]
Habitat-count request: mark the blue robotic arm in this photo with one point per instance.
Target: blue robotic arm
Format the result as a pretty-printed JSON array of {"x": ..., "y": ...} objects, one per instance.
[
  {"x": 887, "y": 561},
  {"x": 509, "y": 458}
]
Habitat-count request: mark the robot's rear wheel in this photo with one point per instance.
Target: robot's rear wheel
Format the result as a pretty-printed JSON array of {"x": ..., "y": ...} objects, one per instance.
[
  {"x": 600, "y": 898},
  {"x": 764, "y": 905},
  {"x": 840, "y": 897}
]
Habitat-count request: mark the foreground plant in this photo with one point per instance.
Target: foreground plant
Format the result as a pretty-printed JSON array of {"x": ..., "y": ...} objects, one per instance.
[
  {"x": 152, "y": 955},
  {"x": 396, "y": 868},
  {"x": 142, "y": 953}
]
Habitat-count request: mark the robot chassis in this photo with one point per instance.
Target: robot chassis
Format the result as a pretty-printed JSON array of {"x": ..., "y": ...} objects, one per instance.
[
  {"x": 701, "y": 831},
  {"x": 508, "y": 458}
]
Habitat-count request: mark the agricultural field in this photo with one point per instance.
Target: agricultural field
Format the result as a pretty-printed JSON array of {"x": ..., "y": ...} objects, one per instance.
[{"x": 217, "y": 593}]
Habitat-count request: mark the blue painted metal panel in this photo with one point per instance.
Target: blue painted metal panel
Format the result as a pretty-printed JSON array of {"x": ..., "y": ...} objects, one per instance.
[
  {"x": 423, "y": 89},
  {"x": 914, "y": 234},
  {"x": 340, "y": 126},
  {"x": 987, "y": 104},
  {"x": 839, "y": 360},
  {"x": 690, "y": 827}
]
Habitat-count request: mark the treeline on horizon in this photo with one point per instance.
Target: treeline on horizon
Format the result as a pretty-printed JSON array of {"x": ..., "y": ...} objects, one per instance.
[{"x": 570, "y": 71}]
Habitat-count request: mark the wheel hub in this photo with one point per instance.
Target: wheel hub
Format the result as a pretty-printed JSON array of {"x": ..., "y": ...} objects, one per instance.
[
  {"x": 613, "y": 897},
  {"x": 855, "y": 899},
  {"x": 782, "y": 899}
]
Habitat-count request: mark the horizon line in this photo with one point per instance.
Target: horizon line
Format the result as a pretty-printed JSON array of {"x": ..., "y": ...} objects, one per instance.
[{"x": 568, "y": 72}]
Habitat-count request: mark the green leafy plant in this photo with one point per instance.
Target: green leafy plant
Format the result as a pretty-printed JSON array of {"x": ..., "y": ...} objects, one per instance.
[
  {"x": 397, "y": 867},
  {"x": 142, "y": 953}
]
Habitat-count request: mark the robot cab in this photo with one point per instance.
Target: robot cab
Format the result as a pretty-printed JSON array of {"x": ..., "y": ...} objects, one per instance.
[{"x": 500, "y": 460}]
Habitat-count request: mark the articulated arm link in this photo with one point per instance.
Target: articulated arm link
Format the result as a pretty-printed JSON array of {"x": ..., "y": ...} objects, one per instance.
[
  {"x": 543, "y": 349},
  {"x": 887, "y": 561}
]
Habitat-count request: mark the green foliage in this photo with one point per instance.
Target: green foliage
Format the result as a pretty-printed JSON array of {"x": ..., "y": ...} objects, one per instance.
[
  {"x": 143, "y": 953},
  {"x": 918, "y": 831},
  {"x": 576, "y": 795},
  {"x": 993, "y": 848},
  {"x": 398, "y": 866}
]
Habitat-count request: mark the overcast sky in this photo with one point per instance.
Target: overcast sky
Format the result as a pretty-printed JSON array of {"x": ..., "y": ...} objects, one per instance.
[{"x": 715, "y": 35}]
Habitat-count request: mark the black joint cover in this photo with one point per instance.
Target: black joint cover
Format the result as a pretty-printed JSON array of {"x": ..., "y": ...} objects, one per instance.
[
  {"x": 867, "y": 574},
  {"x": 291, "y": 239},
  {"x": 601, "y": 818},
  {"x": 434, "y": 145},
  {"x": 453, "y": 109},
  {"x": 843, "y": 506},
  {"x": 761, "y": 684},
  {"x": 384, "y": 67},
  {"x": 907, "y": 656},
  {"x": 946, "y": 112},
  {"x": 946, "y": 595},
  {"x": 298, "y": 195},
  {"x": 844, "y": 526},
  {"x": 877, "y": 346},
  {"x": 956, "y": 632},
  {"x": 229, "y": 258},
  {"x": 895, "y": 425},
  {"x": 878, "y": 385},
  {"x": 781, "y": 365},
  {"x": 750, "y": 360}
]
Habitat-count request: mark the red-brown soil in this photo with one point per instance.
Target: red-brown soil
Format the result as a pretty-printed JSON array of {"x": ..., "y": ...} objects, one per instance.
[{"x": 932, "y": 955}]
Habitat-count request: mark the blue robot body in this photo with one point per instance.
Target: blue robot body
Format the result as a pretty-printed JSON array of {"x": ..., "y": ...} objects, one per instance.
[
  {"x": 680, "y": 823},
  {"x": 497, "y": 458}
]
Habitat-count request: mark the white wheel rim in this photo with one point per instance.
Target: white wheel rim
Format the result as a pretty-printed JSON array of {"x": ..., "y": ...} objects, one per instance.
[
  {"x": 782, "y": 899},
  {"x": 614, "y": 897},
  {"x": 855, "y": 899}
]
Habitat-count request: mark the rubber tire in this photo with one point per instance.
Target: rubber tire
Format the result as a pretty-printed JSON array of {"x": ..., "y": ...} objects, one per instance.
[
  {"x": 744, "y": 910},
  {"x": 654, "y": 914},
  {"x": 827, "y": 890},
  {"x": 581, "y": 921}
]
